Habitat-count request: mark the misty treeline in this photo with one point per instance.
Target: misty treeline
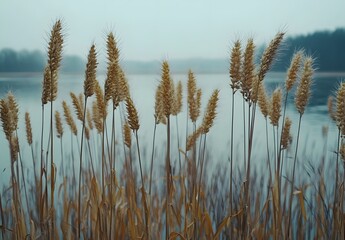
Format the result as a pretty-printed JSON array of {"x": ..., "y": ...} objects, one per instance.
[
  {"x": 327, "y": 47},
  {"x": 34, "y": 61}
]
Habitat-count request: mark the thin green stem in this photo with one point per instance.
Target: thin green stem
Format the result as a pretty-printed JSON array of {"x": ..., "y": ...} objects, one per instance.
[
  {"x": 293, "y": 177},
  {"x": 81, "y": 168},
  {"x": 152, "y": 155}
]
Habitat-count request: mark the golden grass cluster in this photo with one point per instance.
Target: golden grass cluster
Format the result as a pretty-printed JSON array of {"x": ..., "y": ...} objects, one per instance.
[{"x": 105, "y": 199}]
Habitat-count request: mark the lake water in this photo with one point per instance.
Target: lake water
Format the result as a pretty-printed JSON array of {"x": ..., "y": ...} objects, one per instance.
[{"x": 27, "y": 90}]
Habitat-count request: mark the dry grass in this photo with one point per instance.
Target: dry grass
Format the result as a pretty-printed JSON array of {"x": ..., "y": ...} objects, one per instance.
[{"x": 190, "y": 202}]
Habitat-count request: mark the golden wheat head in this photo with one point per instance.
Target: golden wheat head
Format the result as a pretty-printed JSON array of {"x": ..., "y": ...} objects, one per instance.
[
  {"x": 293, "y": 70},
  {"x": 28, "y": 128},
  {"x": 303, "y": 89},
  {"x": 235, "y": 66},
  {"x": 276, "y": 106},
  {"x": 210, "y": 113},
  {"x": 132, "y": 115},
  {"x": 58, "y": 125},
  {"x": 90, "y": 72},
  {"x": 248, "y": 68},
  {"x": 269, "y": 55}
]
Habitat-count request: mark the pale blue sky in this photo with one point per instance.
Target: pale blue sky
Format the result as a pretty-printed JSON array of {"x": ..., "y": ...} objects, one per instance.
[{"x": 157, "y": 29}]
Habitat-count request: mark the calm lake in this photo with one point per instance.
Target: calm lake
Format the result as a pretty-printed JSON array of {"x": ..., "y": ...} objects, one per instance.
[{"x": 27, "y": 90}]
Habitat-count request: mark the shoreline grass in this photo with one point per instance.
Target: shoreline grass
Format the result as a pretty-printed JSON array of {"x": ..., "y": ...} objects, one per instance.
[{"x": 111, "y": 195}]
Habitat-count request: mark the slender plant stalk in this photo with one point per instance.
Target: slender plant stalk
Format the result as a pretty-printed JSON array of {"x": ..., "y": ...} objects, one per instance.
[
  {"x": 178, "y": 144},
  {"x": 80, "y": 168},
  {"x": 232, "y": 146},
  {"x": 168, "y": 173},
  {"x": 293, "y": 176},
  {"x": 143, "y": 188},
  {"x": 152, "y": 155}
]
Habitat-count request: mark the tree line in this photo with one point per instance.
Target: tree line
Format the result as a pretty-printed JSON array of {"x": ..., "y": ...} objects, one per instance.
[
  {"x": 35, "y": 61},
  {"x": 327, "y": 47}
]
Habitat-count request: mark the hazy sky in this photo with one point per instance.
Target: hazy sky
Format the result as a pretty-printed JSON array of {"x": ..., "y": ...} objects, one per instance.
[{"x": 158, "y": 29}]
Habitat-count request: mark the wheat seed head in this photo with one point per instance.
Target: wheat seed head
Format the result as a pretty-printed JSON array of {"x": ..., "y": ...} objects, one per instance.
[
  {"x": 159, "y": 114},
  {"x": 167, "y": 90},
  {"x": 235, "y": 66},
  {"x": 177, "y": 99},
  {"x": 340, "y": 111},
  {"x": 293, "y": 70},
  {"x": 276, "y": 106},
  {"x": 132, "y": 115},
  {"x": 28, "y": 128},
  {"x": 269, "y": 55},
  {"x": 101, "y": 103},
  {"x": 90, "y": 72},
  {"x": 78, "y": 107},
  {"x": 263, "y": 100},
  {"x": 113, "y": 71},
  {"x": 121, "y": 88},
  {"x": 192, "y": 139},
  {"x": 58, "y": 125},
  {"x": 286, "y": 136},
  {"x": 69, "y": 119},
  {"x": 14, "y": 110},
  {"x": 97, "y": 117},
  {"x": 248, "y": 68},
  {"x": 127, "y": 135},
  {"x": 14, "y": 148},
  {"x": 46, "y": 85},
  {"x": 55, "y": 47},
  {"x": 191, "y": 94},
  {"x": 210, "y": 113},
  {"x": 89, "y": 119},
  {"x": 303, "y": 89}
]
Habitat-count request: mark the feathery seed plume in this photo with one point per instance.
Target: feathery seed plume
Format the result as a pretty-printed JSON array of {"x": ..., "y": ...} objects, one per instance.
[
  {"x": 210, "y": 113},
  {"x": 269, "y": 54},
  {"x": 340, "y": 111},
  {"x": 263, "y": 100},
  {"x": 276, "y": 106},
  {"x": 97, "y": 117},
  {"x": 77, "y": 106},
  {"x": 28, "y": 128},
  {"x": 166, "y": 90},
  {"x": 133, "y": 119},
  {"x": 89, "y": 119},
  {"x": 303, "y": 89},
  {"x": 54, "y": 58},
  {"x": 127, "y": 135},
  {"x": 69, "y": 119},
  {"x": 192, "y": 139},
  {"x": 46, "y": 85},
  {"x": 90, "y": 72},
  {"x": 286, "y": 136},
  {"x": 58, "y": 125},
  {"x": 113, "y": 70},
  {"x": 248, "y": 70},
  {"x": 235, "y": 66},
  {"x": 293, "y": 70},
  {"x": 159, "y": 115},
  {"x": 101, "y": 104},
  {"x": 191, "y": 95}
]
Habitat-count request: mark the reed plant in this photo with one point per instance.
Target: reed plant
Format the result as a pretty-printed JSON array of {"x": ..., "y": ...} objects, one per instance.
[{"x": 101, "y": 196}]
